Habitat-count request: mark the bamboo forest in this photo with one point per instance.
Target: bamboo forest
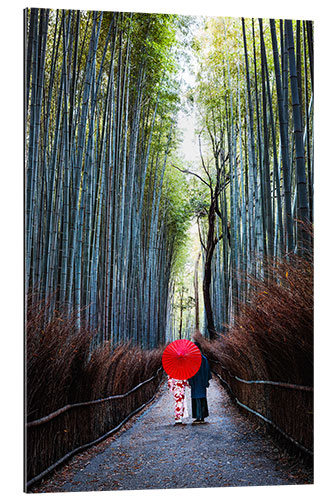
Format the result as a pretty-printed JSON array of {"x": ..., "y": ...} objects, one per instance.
[{"x": 168, "y": 195}]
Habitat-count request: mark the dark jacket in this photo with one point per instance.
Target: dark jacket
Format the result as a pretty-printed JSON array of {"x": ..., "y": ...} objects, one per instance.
[{"x": 200, "y": 381}]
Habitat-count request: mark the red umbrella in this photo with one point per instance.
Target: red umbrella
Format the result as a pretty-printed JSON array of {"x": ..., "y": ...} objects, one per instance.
[{"x": 181, "y": 359}]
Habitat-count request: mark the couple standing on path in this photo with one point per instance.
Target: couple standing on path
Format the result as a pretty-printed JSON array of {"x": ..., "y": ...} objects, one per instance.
[{"x": 198, "y": 384}]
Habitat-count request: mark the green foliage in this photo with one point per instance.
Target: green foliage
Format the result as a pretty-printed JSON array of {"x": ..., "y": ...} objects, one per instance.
[
  {"x": 199, "y": 199},
  {"x": 178, "y": 206}
]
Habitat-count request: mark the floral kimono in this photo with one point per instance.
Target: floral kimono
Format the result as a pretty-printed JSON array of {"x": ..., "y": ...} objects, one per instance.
[{"x": 177, "y": 387}]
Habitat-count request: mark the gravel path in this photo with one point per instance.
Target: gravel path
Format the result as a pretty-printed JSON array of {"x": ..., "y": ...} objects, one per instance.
[{"x": 153, "y": 453}]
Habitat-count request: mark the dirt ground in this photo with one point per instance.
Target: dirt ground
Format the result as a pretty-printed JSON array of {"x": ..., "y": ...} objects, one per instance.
[{"x": 152, "y": 453}]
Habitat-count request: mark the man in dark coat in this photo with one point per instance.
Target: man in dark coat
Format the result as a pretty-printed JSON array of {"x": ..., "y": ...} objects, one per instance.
[{"x": 199, "y": 383}]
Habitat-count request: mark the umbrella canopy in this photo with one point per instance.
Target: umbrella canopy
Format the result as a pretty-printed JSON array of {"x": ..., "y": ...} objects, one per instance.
[{"x": 181, "y": 359}]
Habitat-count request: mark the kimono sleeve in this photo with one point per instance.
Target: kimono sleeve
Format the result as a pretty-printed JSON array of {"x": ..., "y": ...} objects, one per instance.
[{"x": 209, "y": 373}]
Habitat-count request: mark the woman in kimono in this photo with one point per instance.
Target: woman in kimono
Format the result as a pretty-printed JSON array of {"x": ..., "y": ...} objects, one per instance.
[
  {"x": 177, "y": 387},
  {"x": 199, "y": 383}
]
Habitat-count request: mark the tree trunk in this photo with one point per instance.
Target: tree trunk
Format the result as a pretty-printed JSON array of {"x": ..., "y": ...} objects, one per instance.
[
  {"x": 196, "y": 293},
  {"x": 210, "y": 246}
]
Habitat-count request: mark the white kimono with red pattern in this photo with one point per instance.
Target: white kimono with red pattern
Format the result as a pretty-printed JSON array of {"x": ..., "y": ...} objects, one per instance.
[{"x": 177, "y": 387}]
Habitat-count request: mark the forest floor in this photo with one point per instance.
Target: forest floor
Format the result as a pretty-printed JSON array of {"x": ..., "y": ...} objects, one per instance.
[{"x": 152, "y": 453}]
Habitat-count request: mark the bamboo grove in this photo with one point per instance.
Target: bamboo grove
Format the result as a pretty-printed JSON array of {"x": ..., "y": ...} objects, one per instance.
[
  {"x": 254, "y": 98},
  {"x": 102, "y": 210},
  {"x": 107, "y": 212}
]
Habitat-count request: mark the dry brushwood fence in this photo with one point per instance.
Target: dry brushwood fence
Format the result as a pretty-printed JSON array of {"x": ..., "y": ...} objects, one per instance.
[
  {"x": 56, "y": 437},
  {"x": 77, "y": 394},
  {"x": 266, "y": 358}
]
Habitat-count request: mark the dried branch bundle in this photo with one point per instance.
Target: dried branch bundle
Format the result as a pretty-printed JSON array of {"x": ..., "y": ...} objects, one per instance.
[{"x": 272, "y": 339}]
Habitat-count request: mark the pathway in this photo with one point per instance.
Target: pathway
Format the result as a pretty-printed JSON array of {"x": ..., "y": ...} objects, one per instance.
[{"x": 152, "y": 453}]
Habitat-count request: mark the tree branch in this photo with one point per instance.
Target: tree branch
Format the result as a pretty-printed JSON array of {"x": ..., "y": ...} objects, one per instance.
[
  {"x": 204, "y": 166},
  {"x": 200, "y": 237},
  {"x": 192, "y": 173},
  {"x": 218, "y": 239}
]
